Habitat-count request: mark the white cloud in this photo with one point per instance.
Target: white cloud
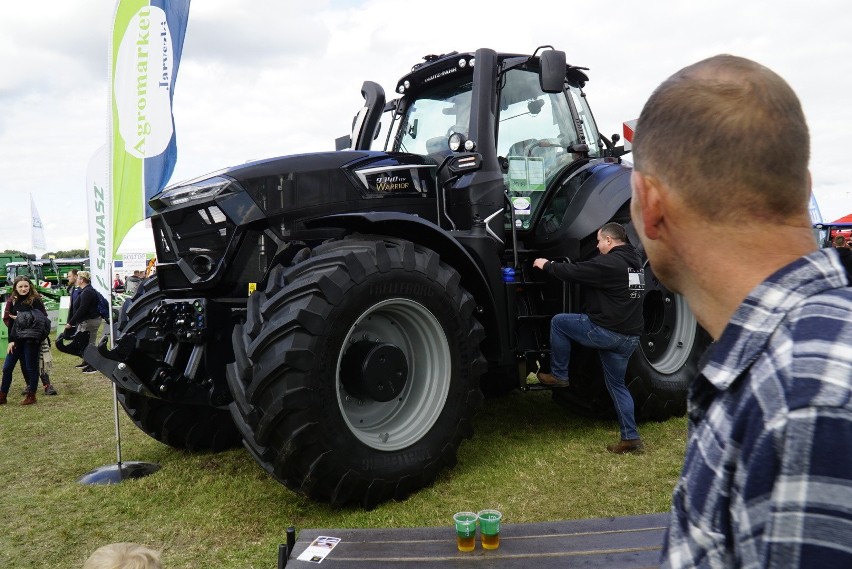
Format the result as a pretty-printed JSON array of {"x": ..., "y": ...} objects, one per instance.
[
  {"x": 52, "y": 46},
  {"x": 257, "y": 34}
]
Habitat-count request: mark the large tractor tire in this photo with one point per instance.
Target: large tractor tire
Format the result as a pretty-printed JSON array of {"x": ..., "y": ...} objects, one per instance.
[
  {"x": 182, "y": 426},
  {"x": 356, "y": 373},
  {"x": 666, "y": 360},
  {"x": 189, "y": 427}
]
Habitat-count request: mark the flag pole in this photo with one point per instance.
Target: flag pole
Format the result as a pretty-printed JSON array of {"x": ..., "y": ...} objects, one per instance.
[
  {"x": 109, "y": 322},
  {"x": 115, "y": 473},
  {"x": 140, "y": 156}
]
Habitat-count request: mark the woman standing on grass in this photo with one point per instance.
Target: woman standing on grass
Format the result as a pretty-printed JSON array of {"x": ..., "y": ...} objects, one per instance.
[{"x": 24, "y": 337}]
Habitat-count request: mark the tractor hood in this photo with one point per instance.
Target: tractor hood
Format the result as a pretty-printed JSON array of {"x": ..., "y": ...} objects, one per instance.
[
  {"x": 254, "y": 209},
  {"x": 316, "y": 178},
  {"x": 211, "y": 184}
]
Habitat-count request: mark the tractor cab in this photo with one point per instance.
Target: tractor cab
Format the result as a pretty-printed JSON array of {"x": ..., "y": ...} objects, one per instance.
[
  {"x": 536, "y": 131},
  {"x": 32, "y": 269}
]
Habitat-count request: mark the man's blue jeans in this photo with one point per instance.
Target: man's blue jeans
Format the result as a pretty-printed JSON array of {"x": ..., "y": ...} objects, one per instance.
[{"x": 614, "y": 350}]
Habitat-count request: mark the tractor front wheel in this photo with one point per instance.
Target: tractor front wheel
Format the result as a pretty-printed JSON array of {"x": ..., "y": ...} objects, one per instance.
[{"x": 357, "y": 371}]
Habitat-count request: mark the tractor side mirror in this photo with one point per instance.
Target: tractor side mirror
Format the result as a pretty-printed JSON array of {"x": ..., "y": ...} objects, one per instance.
[{"x": 551, "y": 75}]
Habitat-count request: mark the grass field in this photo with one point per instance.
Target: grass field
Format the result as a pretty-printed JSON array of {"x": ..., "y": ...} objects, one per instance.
[{"x": 528, "y": 459}]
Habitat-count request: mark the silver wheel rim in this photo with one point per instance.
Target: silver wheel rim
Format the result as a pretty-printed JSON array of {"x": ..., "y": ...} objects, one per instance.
[
  {"x": 401, "y": 422},
  {"x": 683, "y": 337}
]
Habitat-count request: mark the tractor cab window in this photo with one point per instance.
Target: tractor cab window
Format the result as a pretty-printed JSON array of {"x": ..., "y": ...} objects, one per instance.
[
  {"x": 536, "y": 133},
  {"x": 584, "y": 115},
  {"x": 432, "y": 117}
]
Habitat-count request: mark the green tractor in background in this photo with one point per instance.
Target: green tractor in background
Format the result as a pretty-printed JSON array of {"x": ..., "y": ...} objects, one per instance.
[
  {"x": 5, "y": 259},
  {"x": 33, "y": 269},
  {"x": 56, "y": 270},
  {"x": 47, "y": 275},
  {"x": 49, "y": 278}
]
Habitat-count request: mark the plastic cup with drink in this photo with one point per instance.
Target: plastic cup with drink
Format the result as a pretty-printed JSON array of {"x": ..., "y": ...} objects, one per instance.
[
  {"x": 465, "y": 530},
  {"x": 489, "y": 528}
]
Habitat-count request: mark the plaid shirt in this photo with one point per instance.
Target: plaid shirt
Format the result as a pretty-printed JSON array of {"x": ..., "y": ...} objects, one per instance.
[{"x": 767, "y": 478}]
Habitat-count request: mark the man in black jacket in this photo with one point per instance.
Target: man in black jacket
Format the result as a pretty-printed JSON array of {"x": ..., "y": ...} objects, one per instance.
[
  {"x": 84, "y": 311},
  {"x": 612, "y": 322}
]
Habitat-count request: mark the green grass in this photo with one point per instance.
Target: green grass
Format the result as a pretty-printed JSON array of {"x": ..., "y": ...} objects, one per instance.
[{"x": 528, "y": 459}]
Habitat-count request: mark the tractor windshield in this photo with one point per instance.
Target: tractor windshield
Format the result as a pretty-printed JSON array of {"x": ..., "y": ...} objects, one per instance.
[
  {"x": 539, "y": 137},
  {"x": 434, "y": 116},
  {"x": 537, "y": 132},
  {"x": 31, "y": 270}
]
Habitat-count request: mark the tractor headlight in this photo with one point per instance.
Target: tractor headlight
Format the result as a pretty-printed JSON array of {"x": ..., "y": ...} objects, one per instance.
[
  {"x": 195, "y": 190},
  {"x": 456, "y": 141}
]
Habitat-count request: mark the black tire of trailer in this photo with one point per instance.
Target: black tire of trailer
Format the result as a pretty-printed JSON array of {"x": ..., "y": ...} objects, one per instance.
[
  {"x": 298, "y": 419},
  {"x": 189, "y": 427}
]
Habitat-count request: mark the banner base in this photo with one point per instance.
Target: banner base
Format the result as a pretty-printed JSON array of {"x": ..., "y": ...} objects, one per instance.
[{"x": 115, "y": 473}]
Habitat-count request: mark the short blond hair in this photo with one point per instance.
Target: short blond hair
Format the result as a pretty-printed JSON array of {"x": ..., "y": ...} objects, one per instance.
[{"x": 123, "y": 556}]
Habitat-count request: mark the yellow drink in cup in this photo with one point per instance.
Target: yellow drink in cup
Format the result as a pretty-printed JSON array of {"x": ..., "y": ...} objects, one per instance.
[
  {"x": 465, "y": 530},
  {"x": 489, "y": 527}
]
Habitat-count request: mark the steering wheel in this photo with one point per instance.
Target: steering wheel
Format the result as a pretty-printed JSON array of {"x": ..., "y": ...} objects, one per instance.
[{"x": 544, "y": 143}]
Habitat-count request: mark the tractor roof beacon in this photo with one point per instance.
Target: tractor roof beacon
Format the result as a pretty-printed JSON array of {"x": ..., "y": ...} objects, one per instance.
[{"x": 342, "y": 313}]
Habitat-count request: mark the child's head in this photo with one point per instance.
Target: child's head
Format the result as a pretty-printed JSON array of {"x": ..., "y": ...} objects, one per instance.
[{"x": 123, "y": 556}]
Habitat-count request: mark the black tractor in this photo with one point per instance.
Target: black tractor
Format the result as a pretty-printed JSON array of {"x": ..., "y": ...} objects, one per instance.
[{"x": 341, "y": 314}]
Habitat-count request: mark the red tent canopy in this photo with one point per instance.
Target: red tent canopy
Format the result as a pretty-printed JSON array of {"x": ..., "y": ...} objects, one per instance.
[{"x": 845, "y": 219}]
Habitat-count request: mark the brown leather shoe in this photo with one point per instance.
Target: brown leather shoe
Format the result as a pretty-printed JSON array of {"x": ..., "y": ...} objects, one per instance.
[
  {"x": 550, "y": 380},
  {"x": 623, "y": 447},
  {"x": 2, "y": 398},
  {"x": 29, "y": 399}
]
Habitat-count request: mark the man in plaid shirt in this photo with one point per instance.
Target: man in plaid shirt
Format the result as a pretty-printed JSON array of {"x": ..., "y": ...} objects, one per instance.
[{"x": 721, "y": 177}]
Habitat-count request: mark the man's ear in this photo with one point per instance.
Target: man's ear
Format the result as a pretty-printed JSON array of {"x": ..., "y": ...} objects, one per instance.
[{"x": 648, "y": 203}]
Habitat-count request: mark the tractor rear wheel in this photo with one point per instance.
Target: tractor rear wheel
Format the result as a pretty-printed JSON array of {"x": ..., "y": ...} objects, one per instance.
[
  {"x": 356, "y": 373},
  {"x": 179, "y": 425},
  {"x": 666, "y": 360},
  {"x": 658, "y": 373}
]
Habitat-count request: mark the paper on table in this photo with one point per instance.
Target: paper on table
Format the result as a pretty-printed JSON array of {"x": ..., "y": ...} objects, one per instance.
[{"x": 318, "y": 549}]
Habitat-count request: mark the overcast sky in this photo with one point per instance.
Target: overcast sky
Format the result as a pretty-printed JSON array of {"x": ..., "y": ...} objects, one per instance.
[{"x": 264, "y": 78}]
